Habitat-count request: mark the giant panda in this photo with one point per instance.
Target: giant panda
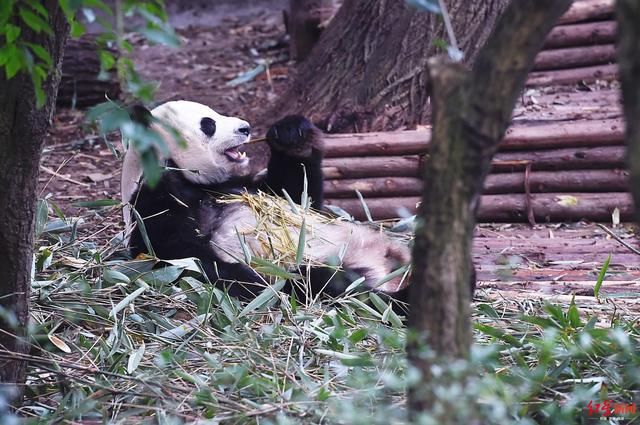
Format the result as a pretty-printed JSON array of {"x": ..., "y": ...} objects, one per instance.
[{"x": 185, "y": 216}]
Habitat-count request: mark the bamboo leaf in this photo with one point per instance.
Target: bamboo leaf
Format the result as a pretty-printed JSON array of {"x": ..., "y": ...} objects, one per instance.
[
  {"x": 354, "y": 284},
  {"x": 301, "y": 243},
  {"x": 143, "y": 232},
  {"x": 601, "y": 275},
  {"x": 180, "y": 331},
  {"x": 113, "y": 276},
  {"x": 100, "y": 203},
  {"x": 129, "y": 299},
  {"x": 364, "y": 206},
  {"x": 59, "y": 343},
  {"x": 134, "y": 359},
  {"x": 267, "y": 295}
]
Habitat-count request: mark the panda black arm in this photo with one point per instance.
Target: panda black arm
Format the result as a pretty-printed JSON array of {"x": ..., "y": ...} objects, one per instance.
[{"x": 296, "y": 149}]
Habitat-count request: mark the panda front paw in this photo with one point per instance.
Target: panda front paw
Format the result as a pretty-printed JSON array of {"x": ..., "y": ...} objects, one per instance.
[{"x": 294, "y": 135}]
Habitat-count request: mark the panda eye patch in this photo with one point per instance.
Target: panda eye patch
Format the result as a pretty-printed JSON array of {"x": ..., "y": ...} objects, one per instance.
[{"x": 208, "y": 126}]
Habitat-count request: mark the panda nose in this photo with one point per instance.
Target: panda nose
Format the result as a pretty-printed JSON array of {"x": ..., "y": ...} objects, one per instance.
[{"x": 246, "y": 130}]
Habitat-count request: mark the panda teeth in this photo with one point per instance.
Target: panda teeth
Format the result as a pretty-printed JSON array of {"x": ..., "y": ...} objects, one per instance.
[{"x": 235, "y": 155}]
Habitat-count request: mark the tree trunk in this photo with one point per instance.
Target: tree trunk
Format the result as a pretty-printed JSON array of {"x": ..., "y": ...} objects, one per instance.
[
  {"x": 306, "y": 20},
  {"x": 22, "y": 130},
  {"x": 628, "y": 14},
  {"x": 80, "y": 85},
  {"x": 471, "y": 114},
  {"x": 368, "y": 71}
]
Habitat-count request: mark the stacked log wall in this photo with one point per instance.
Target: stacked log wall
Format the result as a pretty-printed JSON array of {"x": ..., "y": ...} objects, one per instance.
[{"x": 544, "y": 170}]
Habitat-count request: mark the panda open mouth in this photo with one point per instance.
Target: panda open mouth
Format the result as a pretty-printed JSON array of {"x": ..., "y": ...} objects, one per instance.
[{"x": 235, "y": 155}]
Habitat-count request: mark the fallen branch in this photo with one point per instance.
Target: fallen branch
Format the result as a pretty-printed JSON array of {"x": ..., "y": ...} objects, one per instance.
[
  {"x": 63, "y": 177},
  {"x": 618, "y": 238}
]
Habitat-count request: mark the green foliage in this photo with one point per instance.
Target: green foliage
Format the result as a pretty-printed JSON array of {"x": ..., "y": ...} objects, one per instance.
[
  {"x": 151, "y": 339},
  {"x": 18, "y": 55}
]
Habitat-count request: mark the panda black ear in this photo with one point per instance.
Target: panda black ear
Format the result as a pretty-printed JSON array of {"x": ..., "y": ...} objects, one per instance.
[{"x": 141, "y": 115}]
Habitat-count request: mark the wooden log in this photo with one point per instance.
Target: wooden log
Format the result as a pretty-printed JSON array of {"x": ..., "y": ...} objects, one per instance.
[
  {"x": 539, "y": 182},
  {"x": 373, "y": 187},
  {"x": 575, "y": 57},
  {"x": 572, "y": 76},
  {"x": 520, "y": 136},
  {"x": 559, "y": 181},
  {"x": 587, "y": 10},
  {"x": 80, "y": 85},
  {"x": 377, "y": 143},
  {"x": 551, "y": 207},
  {"x": 380, "y": 208},
  {"x": 598, "y": 157},
  {"x": 570, "y": 134},
  {"x": 391, "y": 166},
  {"x": 585, "y": 34}
]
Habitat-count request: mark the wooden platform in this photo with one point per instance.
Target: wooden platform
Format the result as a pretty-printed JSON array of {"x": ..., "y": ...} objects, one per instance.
[
  {"x": 561, "y": 160},
  {"x": 519, "y": 263}
]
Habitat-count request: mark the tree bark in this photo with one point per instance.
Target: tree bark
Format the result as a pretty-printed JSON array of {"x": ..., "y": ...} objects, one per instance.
[
  {"x": 22, "y": 130},
  {"x": 471, "y": 113},
  {"x": 368, "y": 71},
  {"x": 628, "y": 15},
  {"x": 80, "y": 85},
  {"x": 306, "y": 21}
]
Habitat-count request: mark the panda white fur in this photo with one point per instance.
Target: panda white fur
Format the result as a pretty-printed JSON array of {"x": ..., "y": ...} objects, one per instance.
[{"x": 184, "y": 217}]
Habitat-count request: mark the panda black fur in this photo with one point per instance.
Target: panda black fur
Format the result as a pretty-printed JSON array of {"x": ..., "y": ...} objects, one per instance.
[{"x": 184, "y": 217}]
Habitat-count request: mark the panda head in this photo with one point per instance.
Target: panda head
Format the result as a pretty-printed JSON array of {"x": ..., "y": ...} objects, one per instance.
[
  {"x": 212, "y": 149},
  {"x": 208, "y": 149}
]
